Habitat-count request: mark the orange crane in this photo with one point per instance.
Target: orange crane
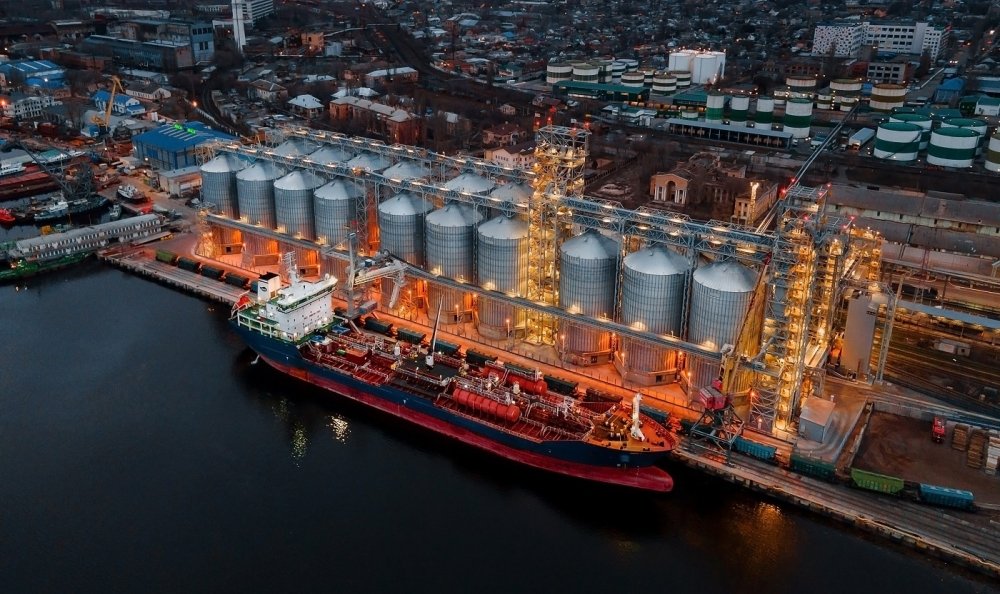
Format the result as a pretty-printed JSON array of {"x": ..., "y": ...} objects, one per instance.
[{"x": 103, "y": 120}]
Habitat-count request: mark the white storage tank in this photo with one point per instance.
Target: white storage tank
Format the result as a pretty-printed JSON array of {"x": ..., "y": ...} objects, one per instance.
[
  {"x": 953, "y": 147},
  {"x": 501, "y": 265},
  {"x": 974, "y": 124},
  {"x": 739, "y": 108},
  {"x": 720, "y": 299},
  {"x": 558, "y": 71},
  {"x": 589, "y": 267},
  {"x": 764, "y": 115},
  {"x": 653, "y": 282},
  {"x": 401, "y": 226},
  {"x": 846, "y": 92},
  {"x": 715, "y": 104},
  {"x": 993, "y": 153},
  {"x": 255, "y": 193},
  {"x": 585, "y": 72},
  {"x": 824, "y": 99},
  {"x": 924, "y": 121},
  {"x": 633, "y": 79},
  {"x": 680, "y": 61},
  {"x": 664, "y": 83},
  {"x": 334, "y": 210},
  {"x": 798, "y": 117},
  {"x": 647, "y": 75},
  {"x": 887, "y": 96},
  {"x": 450, "y": 232},
  {"x": 218, "y": 183},
  {"x": 683, "y": 78},
  {"x": 897, "y": 141},
  {"x": 705, "y": 69},
  {"x": 618, "y": 68},
  {"x": 801, "y": 86},
  {"x": 293, "y": 204}
]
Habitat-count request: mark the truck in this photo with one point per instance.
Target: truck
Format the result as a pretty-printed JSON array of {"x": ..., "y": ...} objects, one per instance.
[{"x": 860, "y": 138}]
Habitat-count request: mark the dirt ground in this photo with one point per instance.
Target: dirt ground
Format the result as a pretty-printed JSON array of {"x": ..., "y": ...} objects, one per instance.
[{"x": 901, "y": 446}]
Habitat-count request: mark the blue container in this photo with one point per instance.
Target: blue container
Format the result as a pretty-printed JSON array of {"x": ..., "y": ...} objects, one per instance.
[
  {"x": 754, "y": 449},
  {"x": 946, "y": 497}
]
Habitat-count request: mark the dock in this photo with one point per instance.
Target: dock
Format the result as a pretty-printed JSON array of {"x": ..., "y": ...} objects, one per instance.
[{"x": 140, "y": 261}]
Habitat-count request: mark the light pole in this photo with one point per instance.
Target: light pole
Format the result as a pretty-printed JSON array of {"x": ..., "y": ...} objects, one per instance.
[{"x": 509, "y": 341}]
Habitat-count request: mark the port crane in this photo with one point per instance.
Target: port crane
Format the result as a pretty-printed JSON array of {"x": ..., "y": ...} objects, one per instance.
[
  {"x": 364, "y": 271},
  {"x": 103, "y": 120}
]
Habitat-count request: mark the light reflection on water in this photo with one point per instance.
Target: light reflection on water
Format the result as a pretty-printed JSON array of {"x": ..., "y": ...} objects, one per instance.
[{"x": 339, "y": 428}]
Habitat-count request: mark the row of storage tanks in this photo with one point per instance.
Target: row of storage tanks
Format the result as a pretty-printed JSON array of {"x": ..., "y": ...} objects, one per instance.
[
  {"x": 685, "y": 67},
  {"x": 797, "y": 119},
  {"x": 955, "y": 142},
  {"x": 457, "y": 241}
]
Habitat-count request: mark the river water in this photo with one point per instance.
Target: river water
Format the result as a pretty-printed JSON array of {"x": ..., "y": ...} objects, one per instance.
[{"x": 140, "y": 451}]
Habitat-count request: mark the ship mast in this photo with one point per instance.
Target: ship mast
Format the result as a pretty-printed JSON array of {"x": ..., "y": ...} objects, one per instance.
[{"x": 434, "y": 334}]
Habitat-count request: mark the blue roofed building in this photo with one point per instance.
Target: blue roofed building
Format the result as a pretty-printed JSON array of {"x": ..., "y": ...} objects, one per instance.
[
  {"x": 35, "y": 73},
  {"x": 124, "y": 105},
  {"x": 174, "y": 146},
  {"x": 949, "y": 90}
]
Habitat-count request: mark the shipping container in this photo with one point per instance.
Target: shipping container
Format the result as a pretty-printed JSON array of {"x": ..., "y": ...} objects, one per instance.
[
  {"x": 166, "y": 257},
  {"x": 212, "y": 272},
  {"x": 237, "y": 280},
  {"x": 478, "y": 359},
  {"x": 410, "y": 336},
  {"x": 871, "y": 481},
  {"x": 375, "y": 325},
  {"x": 561, "y": 386},
  {"x": 946, "y": 497},
  {"x": 188, "y": 264}
]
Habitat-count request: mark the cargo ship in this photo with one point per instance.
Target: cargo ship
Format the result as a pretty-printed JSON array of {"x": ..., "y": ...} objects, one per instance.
[
  {"x": 24, "y": 180},
  {"x": 57, "y": 209},
  {"x": 483, "y": 404},
  {"x": 17, "y": 269}
]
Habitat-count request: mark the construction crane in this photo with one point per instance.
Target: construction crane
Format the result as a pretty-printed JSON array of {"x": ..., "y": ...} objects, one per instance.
[
  {"x": 103, "y": 120},
  {"x": 719, "y": 424}
]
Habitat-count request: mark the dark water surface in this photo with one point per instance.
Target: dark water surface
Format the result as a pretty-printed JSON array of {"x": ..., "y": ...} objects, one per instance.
[{"x": 141, "y": 452}]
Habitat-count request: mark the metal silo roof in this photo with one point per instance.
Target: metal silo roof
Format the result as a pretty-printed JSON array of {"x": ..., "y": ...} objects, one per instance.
[
  {"x": 261, "y": 171},
  {"x": 405, "y": 204},
  {"x": 454, "y": 215},
  {"x": 469, "y": 182},
  {"x": 330, "y": 154},
  {"x": 657, "y": 261},
  {"x": 369, "y": 161},
  {"x": 338, "y": 189},
  {"x": 729, "y": 276},
  {"x": 511, "y": 192},
  {"x": 295, "y": 147},
  {"x": 504, "y": 228},
  {"x": 406, "y": 170},
  {"x": 299, "y": 180},
  {"x": 590, "y": 246},
  {"x": 224, "y": 163}
]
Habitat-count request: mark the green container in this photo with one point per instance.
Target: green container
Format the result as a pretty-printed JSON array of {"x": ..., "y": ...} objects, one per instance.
[
  {"x": 872, "y": 481},
  {"x": 166, "y": 257},
  {"x": 812, "y": 467}
]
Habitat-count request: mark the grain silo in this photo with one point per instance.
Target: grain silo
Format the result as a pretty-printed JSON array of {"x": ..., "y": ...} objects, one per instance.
[
  {"x": 501, "y": 265},
  {"x": 218, "y": 183},
  {"x": 897, "y": 141},
  {"x": 764, "y": 115},
  {"x": 720, "y": 298},
  {"x": 293, "y": 204},
  {"x": 589, "y": 267},
  {"x": 450, "y": 234},
  {"x": 993, "y": 153},
  {"x": 953, "y": 147},
  {"x": 255, "y": 193},
  {"x": 406, "y": 170},
  {"x": 369, "y": 162},
  {"x": 329, "y": 154},
  {"x": 401, "y": 226},
  {"x": 653, "y": 281},
  {"x": 334, "y": 211},
  {"x": 798, "y": 117}
]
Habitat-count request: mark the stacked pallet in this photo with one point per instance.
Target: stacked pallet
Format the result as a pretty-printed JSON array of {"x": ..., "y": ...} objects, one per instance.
[
  {"x": 960, "y": 438},
  {"x": 993, "y": 453},
  {"x": 977, "y": 449}
]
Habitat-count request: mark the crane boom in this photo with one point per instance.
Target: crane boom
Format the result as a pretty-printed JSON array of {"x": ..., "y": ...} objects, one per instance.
[{"x": 104, "y": 120}]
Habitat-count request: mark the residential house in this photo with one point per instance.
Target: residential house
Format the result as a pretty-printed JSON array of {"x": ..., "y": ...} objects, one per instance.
[
  {"x": 389, "y": 123},
  {"x": 519, "y": 156},
  {"x": 307, "y": 106},
  {"x": 266, "y": 90},
  {"x": 505, "y": 134}
]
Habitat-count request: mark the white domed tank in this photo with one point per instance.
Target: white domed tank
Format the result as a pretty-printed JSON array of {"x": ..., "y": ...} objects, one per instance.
[
  {"x": 846, "y": 92},
  {"x": 634, "y": 79},
  {"x": 924, "y": 121},
  {"x": 683, "y": 78},
  {"x": 897, "y": 141},
  {"x": 975, "y": 124},
  {"x": 652, "y": 301},
  {"x": 255, "y": 193},
  {"x": 887, "y": 96},
  {"x": 589, "y": 267},
  {"x": 405, "y": 170},
  {"x": 720, "y": 298},
  {"x": 369, "y": 161},
  {"x": 329, "y": 154},
  {"x": 295, "y": 147},
  {"x": 764, "y": 116},
  {"x": 798, "y": 117},
  {"x": 218, "y": 183},
  {"x": 293, "y": 204},
  {"x": 401, "y": 226},
  {"x": 450, "y": 232},
  {"x": 953, "y": 147},
  {"x": 334, "y": 210},
  {"x": 502, "y": 265},
  {"x": 739, "y": 107},
  {"x": 993, "y": 153},
  {"x": 715, "y": 104},
  {"x": 558, "y": 71},
  {"x": 469, "y": 182}
]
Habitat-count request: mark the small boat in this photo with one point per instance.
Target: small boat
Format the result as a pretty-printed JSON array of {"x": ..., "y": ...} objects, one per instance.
[
  {"x": 52, "y": 211},
  {"x": 6, "y": 217},
  {"x": 130, "y": 193}
]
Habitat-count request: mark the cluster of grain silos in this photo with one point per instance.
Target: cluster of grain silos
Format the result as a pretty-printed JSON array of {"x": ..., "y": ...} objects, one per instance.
[
  {"x": 720, "y": 299},
  {"x": 897, "y": 141},
  {"x": 653, "y": 285},
  {"x": 502, "y": 265},
  {"x": 588, "y": 270},
  {"x": 798, "y": 117},
  {"x": 887, "y": 96}
]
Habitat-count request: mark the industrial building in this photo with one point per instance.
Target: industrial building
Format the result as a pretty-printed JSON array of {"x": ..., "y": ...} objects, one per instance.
[
  {"x": 845, "y": 39},
  {"x": 524, "y": 255},
  {"x": 164, "y": 56},
  {"x": 174, "y": 146}
]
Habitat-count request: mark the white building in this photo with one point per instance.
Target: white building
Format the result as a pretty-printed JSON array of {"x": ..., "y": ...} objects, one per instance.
[
  {"x": 844, "y": 39},
  {"x": 254, "y": 10},
  {"x": 24, "y": 107},
  {"x": 521, "y": 156}
]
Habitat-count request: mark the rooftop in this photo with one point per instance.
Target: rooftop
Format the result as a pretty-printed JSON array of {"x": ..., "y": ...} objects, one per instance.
[{"x": 180, "y": 136}]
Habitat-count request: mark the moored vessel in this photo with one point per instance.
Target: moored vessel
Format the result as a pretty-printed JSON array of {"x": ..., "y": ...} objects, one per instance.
[
  {"x": 130, "y": 193},
  {"x": 505, "y": 410}
]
